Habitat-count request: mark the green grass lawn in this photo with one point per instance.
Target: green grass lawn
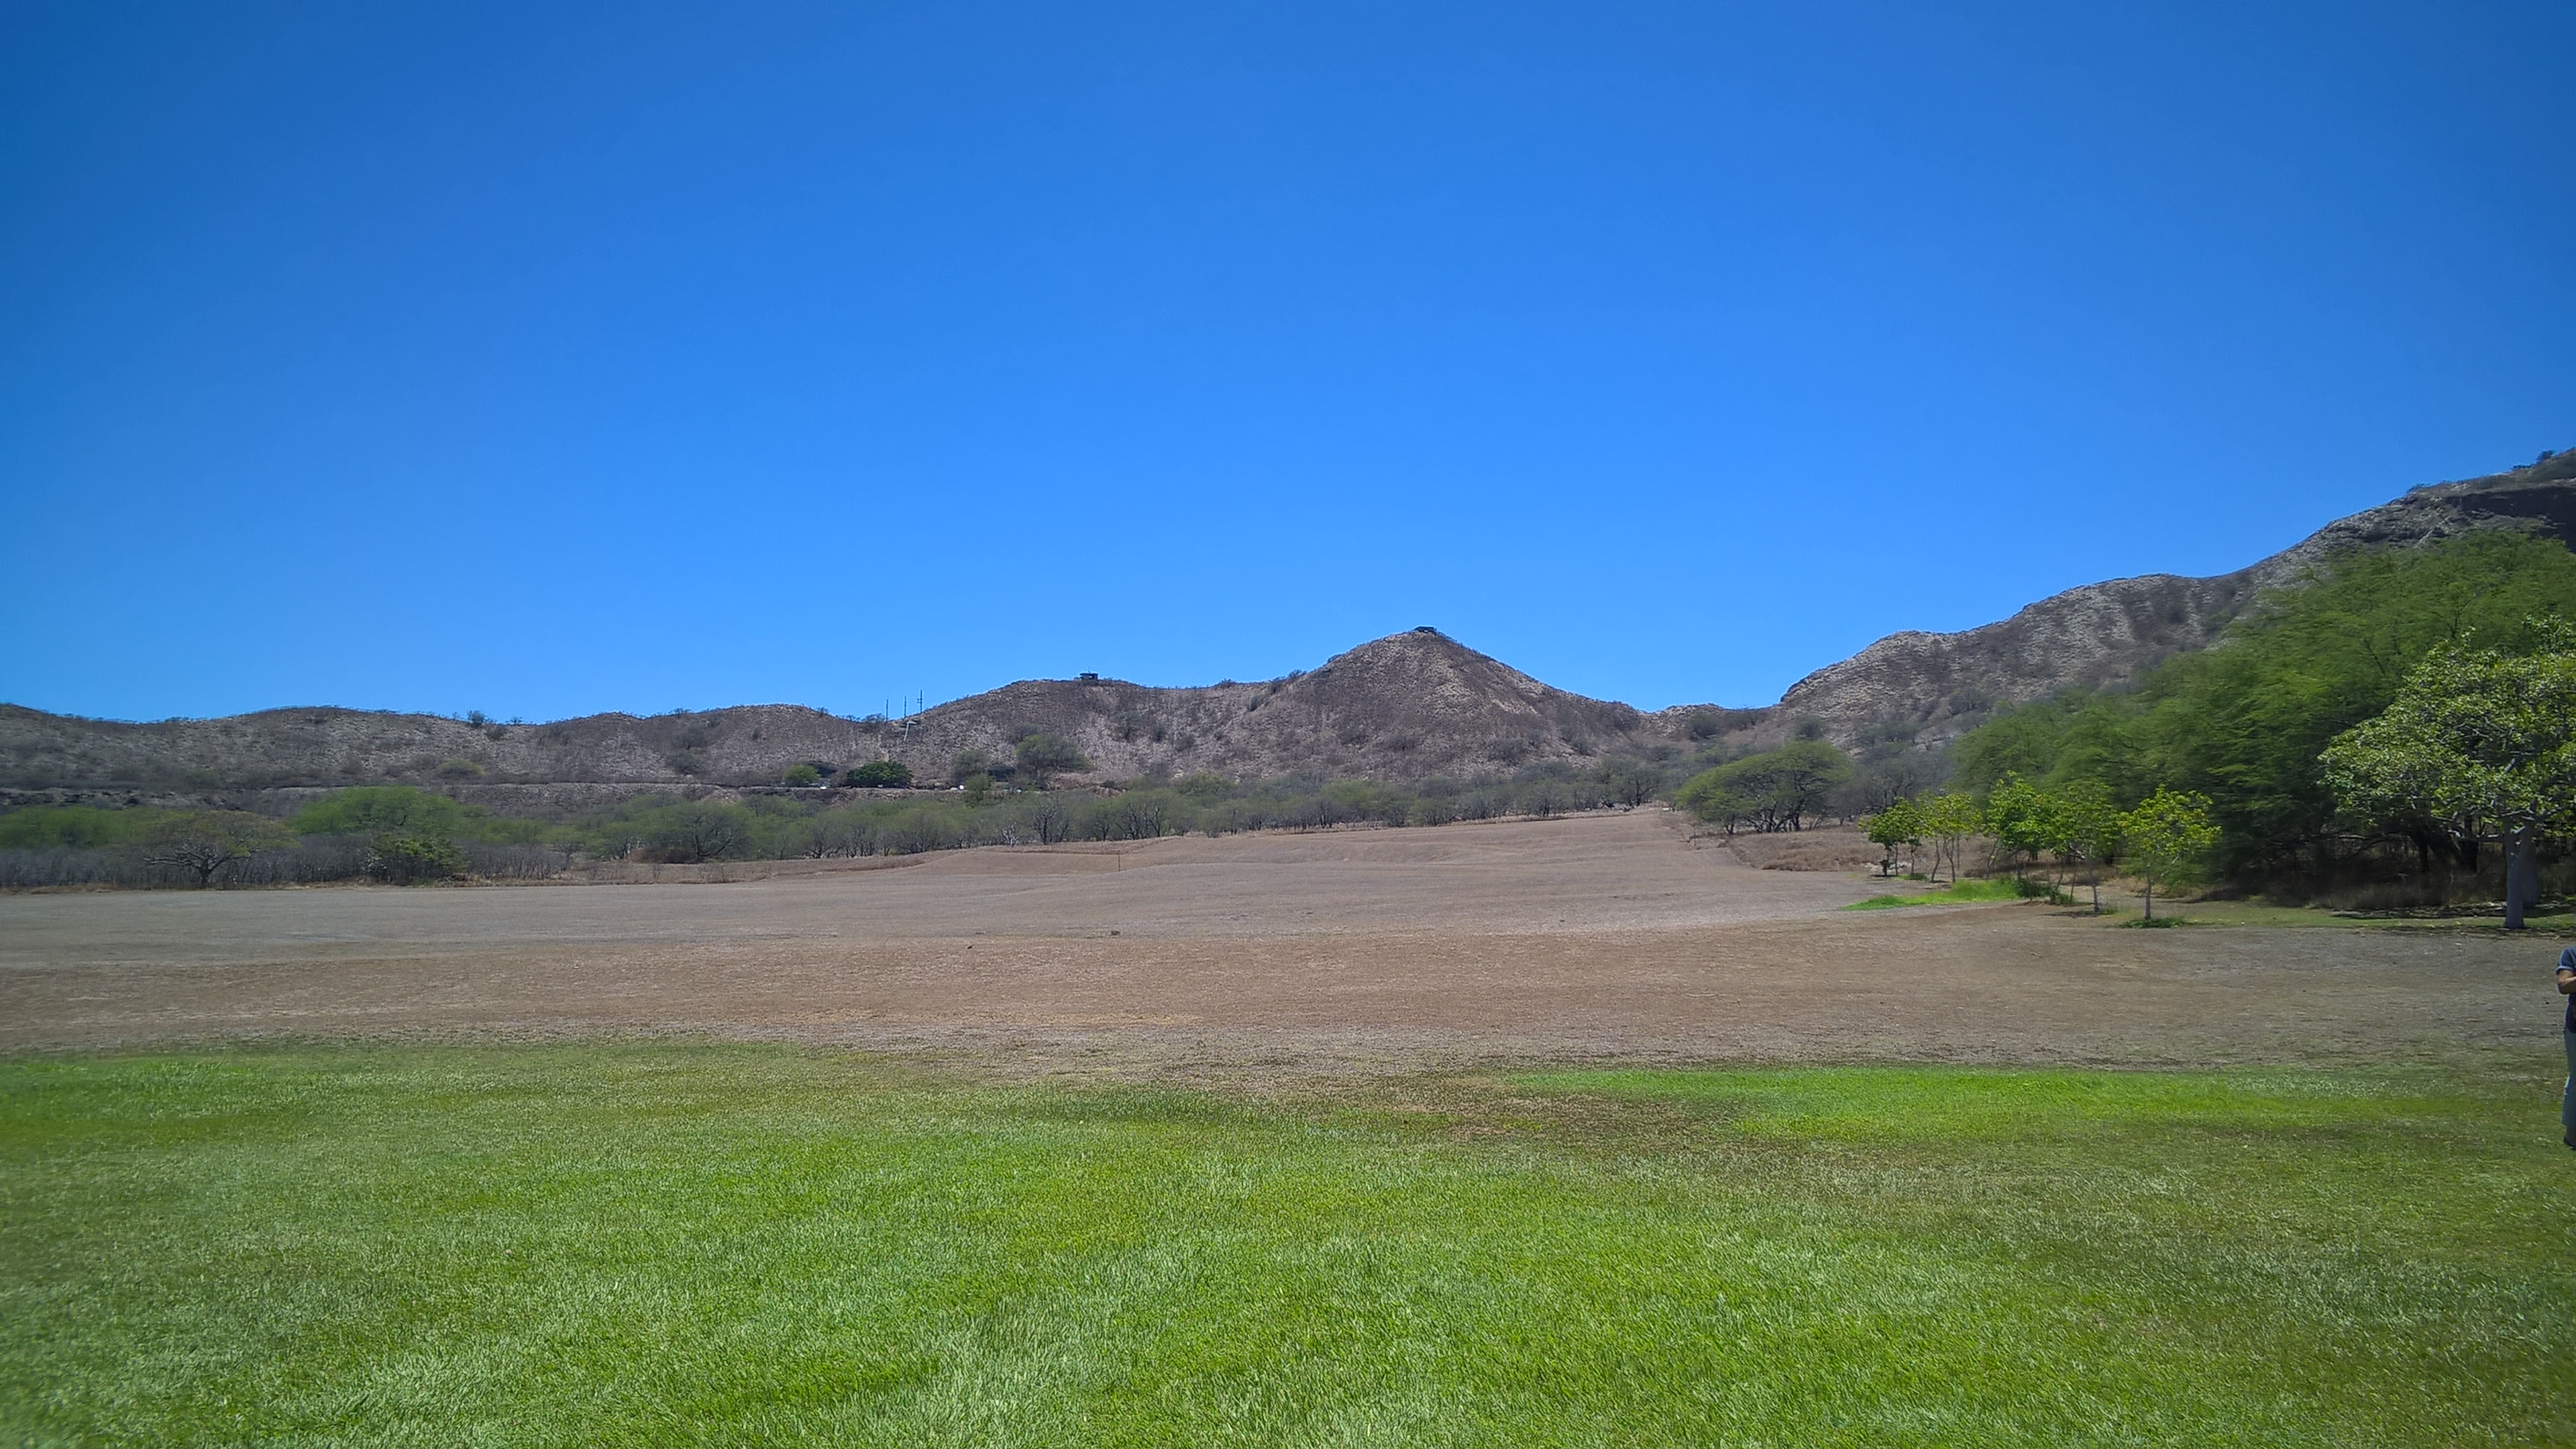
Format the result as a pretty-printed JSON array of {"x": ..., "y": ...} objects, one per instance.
[{"x": 657, "y": 1244}]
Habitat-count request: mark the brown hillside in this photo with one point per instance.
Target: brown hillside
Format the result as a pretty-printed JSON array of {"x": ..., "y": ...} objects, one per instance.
[{"x": 1402, "y": 707}]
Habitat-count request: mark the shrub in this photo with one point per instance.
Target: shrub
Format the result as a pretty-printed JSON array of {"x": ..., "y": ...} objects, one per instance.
[
  {"x": 459, "y": 769},
  {"x": 696, "y": 830},
  {"x": 406, "y": 810},
  {"x": 879, "y": 775},
  {"x": 802, "y": 777},
  {"x": 73, "y": 827},
  {"x": 918, "y": 829},
  {"x": 414, "y": 859},
  {"x": 1042, "y": 755}
]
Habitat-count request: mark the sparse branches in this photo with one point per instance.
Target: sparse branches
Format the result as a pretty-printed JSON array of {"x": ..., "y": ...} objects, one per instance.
[
  {"x": 203, "y": 842},
  {"x": 1951, "y": 819}
]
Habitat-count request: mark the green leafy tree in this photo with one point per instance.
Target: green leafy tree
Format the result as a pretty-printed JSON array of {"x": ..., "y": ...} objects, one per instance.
[
  {"x": 801, "y": 777},
  {"x": 2168, "y": 838},
  {"x": 1952, "y": 819},
  {"x": 2482, "y": 739},
  {"x": 1043, "y": 756},
  {"x": 2247, "y": 723},
  {"x": 367, "y": 809},
  {"x": 879, "y": 775},
  {"x": 414, "y": 859},
  {"x": 406, "y": 810},
  {"x": 1899, "y": 824},
  {"x": 690, "y": 831},
  {"x": 2088, "y": 831},
  {"x": 79, "y": 827},
  {"x": 2022, "y": 818},
  {"x": 1772, "y": 791},
  {"x": 203, "y": 842}
]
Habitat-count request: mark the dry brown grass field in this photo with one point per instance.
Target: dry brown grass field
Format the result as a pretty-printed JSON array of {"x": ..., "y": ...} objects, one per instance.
[{"x": 1608, "y": 937}]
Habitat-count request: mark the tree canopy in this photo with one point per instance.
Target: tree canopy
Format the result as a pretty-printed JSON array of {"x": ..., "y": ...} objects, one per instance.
[
  {"x": 2246, "y": 722},
  {"x": 2479, "y": 741},
  {"x": 1770, "y": 791},
  {"x": 405, "y": 810}
]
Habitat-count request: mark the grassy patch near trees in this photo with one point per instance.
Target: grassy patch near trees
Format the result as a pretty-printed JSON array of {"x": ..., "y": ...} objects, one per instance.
[
  {"x": 660, "y": 1244},
  {"x": 1962, "y": 893}
]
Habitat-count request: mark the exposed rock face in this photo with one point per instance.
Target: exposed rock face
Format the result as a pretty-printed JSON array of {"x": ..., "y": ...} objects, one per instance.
[
  {"x": 2109, "y": 633},
  {"x": 1401, "y": 707},
  {"x": 2098, "y": 634},
  {"x": 2539, "y": 500}
]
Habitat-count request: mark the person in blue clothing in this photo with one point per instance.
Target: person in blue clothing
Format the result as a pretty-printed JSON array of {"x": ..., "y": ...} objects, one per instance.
[{"x": 2567, "y": 988}]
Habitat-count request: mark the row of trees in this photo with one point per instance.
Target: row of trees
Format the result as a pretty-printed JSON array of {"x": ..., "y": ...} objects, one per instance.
[
  {"x": 2319, "y": 779},
  {"x": 61, "y": 846},
  {"x": 2164, "y": 840},
  {"x": 401, "y": 834},
  {"x": 990, "y": 812}
]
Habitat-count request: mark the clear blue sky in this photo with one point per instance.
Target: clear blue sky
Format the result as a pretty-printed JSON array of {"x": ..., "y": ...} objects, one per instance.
[{"x": 547, "y": 359}]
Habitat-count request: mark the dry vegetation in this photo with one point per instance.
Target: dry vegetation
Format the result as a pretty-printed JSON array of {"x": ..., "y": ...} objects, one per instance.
[{"x": 1597, "y": 937}]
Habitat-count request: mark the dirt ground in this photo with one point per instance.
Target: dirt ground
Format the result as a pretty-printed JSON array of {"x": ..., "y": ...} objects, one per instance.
[{"x": 1606, "y": 937}]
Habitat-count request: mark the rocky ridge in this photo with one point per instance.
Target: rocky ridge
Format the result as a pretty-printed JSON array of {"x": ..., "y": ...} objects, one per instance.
[
  {"x": 1932, "y": 686},
  {"x": 1402, "y": 707}
]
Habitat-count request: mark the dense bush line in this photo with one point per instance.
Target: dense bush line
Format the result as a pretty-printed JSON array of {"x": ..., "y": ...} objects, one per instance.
[{"x": 403, "y": 835}]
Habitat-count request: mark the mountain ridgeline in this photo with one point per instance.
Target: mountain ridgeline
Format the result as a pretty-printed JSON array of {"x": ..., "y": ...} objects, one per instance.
[{"x": 1402, "y": 708}]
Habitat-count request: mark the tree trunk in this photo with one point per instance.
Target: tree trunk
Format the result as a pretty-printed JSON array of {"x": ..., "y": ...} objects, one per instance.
[
  {"x": 2151, "y": 898},
  {"x": 2521, "y": 875}
]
